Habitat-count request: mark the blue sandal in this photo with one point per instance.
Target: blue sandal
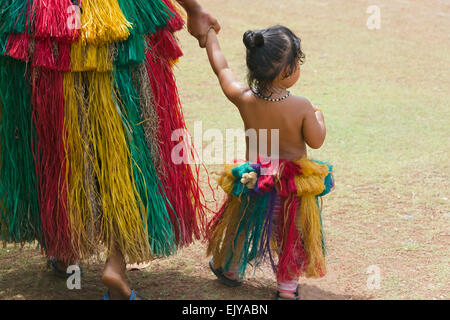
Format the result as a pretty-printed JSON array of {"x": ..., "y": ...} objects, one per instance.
[{"x": 133, "y": 295}]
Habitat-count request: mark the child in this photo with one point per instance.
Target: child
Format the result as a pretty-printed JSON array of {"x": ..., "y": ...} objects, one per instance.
[{"x": 278, "y": 211}]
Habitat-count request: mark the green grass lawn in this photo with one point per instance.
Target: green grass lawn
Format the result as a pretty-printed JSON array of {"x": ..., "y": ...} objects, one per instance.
[
  {"x": 386, "y": 101},
  {"x": 385, "y": 95}
]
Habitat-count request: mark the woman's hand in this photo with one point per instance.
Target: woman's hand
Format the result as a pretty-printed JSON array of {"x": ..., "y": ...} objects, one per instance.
[{"x": 199, "y": 21}]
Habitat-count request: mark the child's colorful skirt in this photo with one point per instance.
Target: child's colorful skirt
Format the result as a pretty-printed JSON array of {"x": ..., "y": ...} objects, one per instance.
[
  {"x": 270, "y": 215},
  {"x": 88, "y": 104}
]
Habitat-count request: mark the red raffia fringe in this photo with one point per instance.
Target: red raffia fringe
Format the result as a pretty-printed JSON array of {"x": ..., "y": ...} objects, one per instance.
[
  {"x": 293, "y": 256},
  {"x": 292, "y": 261},
  {"x": 217, "y": 218},
  {"x": 46, "y": 53},
  {"x": 48, "y": 117},
  {"x": 51, "y": 47},
  {"x": 17, "y": 46},
  {"x": 51, "y": 55},
  {"x": 181, "y": 185},
  {"x": 51, "y": 20},
  {"x": 177, "y": 22},
  {"x": 166, "y": 45}
]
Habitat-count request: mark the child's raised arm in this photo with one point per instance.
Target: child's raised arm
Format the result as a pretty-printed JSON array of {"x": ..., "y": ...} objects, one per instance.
[
  {"x": 231, "y": 86},
  {"x": 314, "y": 130}
]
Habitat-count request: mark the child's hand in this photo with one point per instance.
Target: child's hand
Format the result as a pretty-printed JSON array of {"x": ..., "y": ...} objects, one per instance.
[
  {"x": 211, "y": 32},
  {"x": 211, "y": 38},
  {"x": 211, "y": 35}
]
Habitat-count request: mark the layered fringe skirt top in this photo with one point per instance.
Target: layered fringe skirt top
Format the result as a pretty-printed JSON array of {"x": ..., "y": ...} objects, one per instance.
[{"x": 88, "y": 104}]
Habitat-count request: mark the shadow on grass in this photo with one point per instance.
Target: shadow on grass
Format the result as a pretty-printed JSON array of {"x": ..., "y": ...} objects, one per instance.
[{"x": 36, "y": 282}]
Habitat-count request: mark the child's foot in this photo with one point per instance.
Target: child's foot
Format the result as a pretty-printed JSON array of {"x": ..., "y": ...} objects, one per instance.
[
  {"x": 288, "y": 295},
  {"x": 229, "y": 279},
  {"x": 233, "y": 276}
]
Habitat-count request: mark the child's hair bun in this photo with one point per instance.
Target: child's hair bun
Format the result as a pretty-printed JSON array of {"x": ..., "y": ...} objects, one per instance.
[{"x": 253, "y": 39}]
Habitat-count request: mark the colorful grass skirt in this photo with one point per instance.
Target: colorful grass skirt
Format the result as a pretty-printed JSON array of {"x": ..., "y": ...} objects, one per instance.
[
  {"x": 88, "y": 104},
  {"x": 242, "y": 232}
]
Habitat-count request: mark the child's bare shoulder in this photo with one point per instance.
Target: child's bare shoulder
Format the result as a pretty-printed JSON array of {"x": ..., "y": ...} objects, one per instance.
[
  {"x": 246, "y": 96},
  {"x": 301, "y": 105}
]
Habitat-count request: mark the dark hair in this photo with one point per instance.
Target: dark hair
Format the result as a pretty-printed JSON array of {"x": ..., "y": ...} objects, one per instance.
[{"x": 269, "y": 52}]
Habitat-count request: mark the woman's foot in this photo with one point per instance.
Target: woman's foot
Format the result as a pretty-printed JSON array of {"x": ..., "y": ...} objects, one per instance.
[
  {"x": 59, "y": 267},
  {"x": 115, "y": 279},
  {"x": 116, "y": 283}
]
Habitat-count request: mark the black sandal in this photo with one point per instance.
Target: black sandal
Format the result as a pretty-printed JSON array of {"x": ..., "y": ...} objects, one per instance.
[
  {"x": 52, "y": 263},
  {"x": 222, "y": 278},
  {"x": 295, "y": 298}
]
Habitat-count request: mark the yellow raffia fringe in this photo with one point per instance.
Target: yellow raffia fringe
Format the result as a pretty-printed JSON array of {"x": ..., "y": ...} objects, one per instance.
[
  {"x": 221, "y": 241},
  {"x": 309, "y": 222},
  {"x": 226, "y": 178},
  {"x": 99, "y": 59},
  {"x": 311, "y": 181},
  {"x": 90, "y": 58},
  {"x": 79, "y": 208},
  {"x": 78, "y": 57},
  {"x": 102, "y": 21},
  {"x": 122, "y": 224},
  {"x": 310, "y": 168},
  {"x": 179, "y": 9}
]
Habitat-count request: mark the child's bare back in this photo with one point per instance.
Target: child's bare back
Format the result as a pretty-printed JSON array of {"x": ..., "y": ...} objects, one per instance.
[{"x": 286, "y": 116}]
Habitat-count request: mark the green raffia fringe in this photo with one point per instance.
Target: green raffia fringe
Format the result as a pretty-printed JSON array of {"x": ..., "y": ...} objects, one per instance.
[
  {"x": 145, "y": 15},
  {"x": 131, "y": 51},
  {"x": 13, "y": 15},
  {"x": 160, "y": 230},
  {"x": 19, "y": 210},
  {"x": 253, "y": 211},
  {"x": 3, "y": 42}
]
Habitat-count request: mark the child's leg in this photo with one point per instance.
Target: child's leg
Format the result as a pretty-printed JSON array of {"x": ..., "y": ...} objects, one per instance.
[{"x": 288, "y": 288}]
